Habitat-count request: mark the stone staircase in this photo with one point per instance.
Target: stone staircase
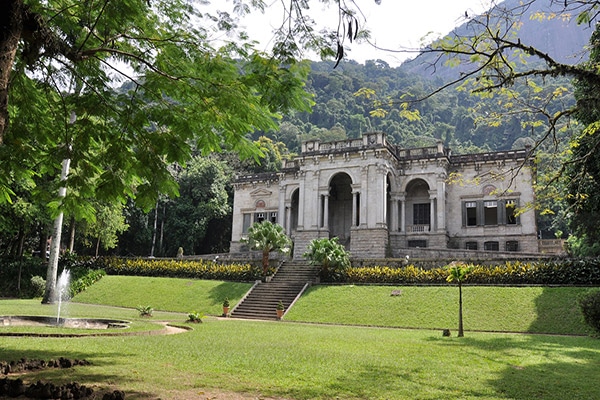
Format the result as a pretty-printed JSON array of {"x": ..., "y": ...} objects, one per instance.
[{"x": 286, "y": 285}]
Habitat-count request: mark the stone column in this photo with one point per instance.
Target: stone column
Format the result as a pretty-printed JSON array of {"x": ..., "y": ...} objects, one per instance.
[
  {"x": 394, "y": 214},
  {"x": 326, "y": 211},
  {"x": 354, "y": 208},
  {"x": 288, "y": 220},
  {"x": 432, "y": 214},
  {"x": 441, "y": 204},
  {"x": 402, "y": 199},
  {"x": 301, "y": 200},
  {"x": 281, "y": 217},
  {"x": 364, "y": 196},
  {"x": 381, "y": 177}
]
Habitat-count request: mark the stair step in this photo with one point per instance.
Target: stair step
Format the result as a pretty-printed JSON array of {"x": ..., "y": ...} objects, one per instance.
[{"x": 286, "y": 284}]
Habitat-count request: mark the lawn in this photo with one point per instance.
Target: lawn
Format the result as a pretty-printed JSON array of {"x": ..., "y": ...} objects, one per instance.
[{"x": 323, "y": 361}]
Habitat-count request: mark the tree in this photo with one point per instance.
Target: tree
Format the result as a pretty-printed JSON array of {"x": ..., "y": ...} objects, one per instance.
[
  {"x": 329, "y": 254},
  {"x": 267, "y": 237},
  {"x": 492, "y": 60},
  {"x": 106, "y": 227},
  {"x": 457, "y": 272},
  {"x": 583, "y": 168},
  {"x": 179, "y": 93},
  {"x": 203, "y": 197}
]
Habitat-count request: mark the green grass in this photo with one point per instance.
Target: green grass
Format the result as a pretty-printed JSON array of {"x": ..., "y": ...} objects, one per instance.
[
  {"x": 169, "y": 294},
  {"x": 496, "y": 309},
  {"x": 316, "y": 361}
]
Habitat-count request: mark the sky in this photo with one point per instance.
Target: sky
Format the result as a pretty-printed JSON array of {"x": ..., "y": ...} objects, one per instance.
[{"x": 394, "y": 24}]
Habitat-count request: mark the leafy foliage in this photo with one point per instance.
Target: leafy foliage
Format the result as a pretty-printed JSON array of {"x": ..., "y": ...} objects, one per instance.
[
  {"x": 11, "y": 270},
  {"x": 583, "y": 168},
  {"x": 330, "y": 255},
  {"x": 82, "y": 280},
  {"x": 204, "y": 196},
  {"x": 568, "y": 272},
  {"x": 199, "y": 269},
  {"x": 589, "y": 304},
  {"x": 38, "y": 285},
  {"x": 267, "y": 237},
  {"x": 145, "y": 311},
  {"x": 457, "y": 272},
  {"x": 195, "y": 317}
]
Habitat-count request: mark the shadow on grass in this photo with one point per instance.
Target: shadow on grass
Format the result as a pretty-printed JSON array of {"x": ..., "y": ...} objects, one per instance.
[
  {"x": 558, "y": 312},
  {"x": 85, "y": 375},
  {"x": 538, "y": 366},
  {"x": 234, "y": 291}
]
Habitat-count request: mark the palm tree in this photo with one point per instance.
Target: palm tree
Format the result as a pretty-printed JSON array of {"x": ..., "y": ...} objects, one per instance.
[
  {"x": 267, "y": 237},
  {"x": 457, "y": 273}
]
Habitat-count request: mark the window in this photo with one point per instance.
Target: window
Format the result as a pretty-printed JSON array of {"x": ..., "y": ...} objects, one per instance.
[
  {"x": 247, "y": 222},
  {"x": 490, "y": 212},
  {"x": 471, "y": 213},
  {"x": 421, "y": 214},
  {"x": 512, "y": 245},
  {"x": 511, "y": 217},
  {"x": 491, "y": 246},
  {"x": 259, "y": 217},
  {"x": 417, "y": 243},
  {"x": 471, "y": 245},
  {"x": 273, "y": 217}
]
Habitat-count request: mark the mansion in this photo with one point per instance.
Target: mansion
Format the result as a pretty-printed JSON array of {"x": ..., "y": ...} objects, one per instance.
[{"x": 380, "y": 199}]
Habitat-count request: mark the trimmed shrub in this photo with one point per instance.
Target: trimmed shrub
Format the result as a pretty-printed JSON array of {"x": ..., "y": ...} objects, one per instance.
[
  {"x": 568, "y": 272},
  {"x": 198, "y": 269},
  {"x": 83, "y": 279},
  {"x": 38, "y": 285},
  {"x": 589, "y": 304}
]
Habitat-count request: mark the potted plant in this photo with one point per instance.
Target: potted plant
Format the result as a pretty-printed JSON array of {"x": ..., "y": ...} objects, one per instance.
[
  {"x": 226, "y": 307},
  {"x": 280, "y": 309}
]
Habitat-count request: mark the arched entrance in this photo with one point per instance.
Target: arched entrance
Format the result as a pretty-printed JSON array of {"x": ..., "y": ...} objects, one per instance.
[
  {"x": 294, "y": 205},
  {"x": 340, "y": 207},
  {"x": 418, "y": 207}
]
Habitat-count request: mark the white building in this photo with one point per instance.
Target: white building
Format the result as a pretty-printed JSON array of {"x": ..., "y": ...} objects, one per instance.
[{"x": 380, "y": 200}]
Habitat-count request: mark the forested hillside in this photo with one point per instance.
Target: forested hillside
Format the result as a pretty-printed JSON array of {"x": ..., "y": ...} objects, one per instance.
[
  {"x": 462, "y": 121},
  {"x": 404, "y": 102},
  {"x": 354, "y": 98}
]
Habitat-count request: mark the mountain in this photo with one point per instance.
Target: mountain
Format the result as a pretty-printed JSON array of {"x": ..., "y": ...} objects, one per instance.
[
  {"x": 540, "y": 25},
  {"x": 451, "y": 116}
]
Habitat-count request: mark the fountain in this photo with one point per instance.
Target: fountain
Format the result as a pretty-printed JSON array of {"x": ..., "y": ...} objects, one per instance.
[
  {"x": 62, "y": 287},
  {"x": 61, "y": 294}
]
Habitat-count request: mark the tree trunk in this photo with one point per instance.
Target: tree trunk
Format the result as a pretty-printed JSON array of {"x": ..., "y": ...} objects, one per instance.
[
  {"x": 21, "y": 242},
  {"x": 11, "y": 21},
  {"x": 97, "y": 246},
  {"x": 162, "y": 231},
  {"x": 72, "y": 235},
  {"x": 265, "y": 262},
  {"x": 154, "y": 230},
  {"x": 461, "y": 333},
  {"x": 49, "y": 293}
]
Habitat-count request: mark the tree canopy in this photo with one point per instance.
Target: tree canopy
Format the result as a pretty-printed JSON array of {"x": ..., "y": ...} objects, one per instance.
[{"x": 180, "y": 90}]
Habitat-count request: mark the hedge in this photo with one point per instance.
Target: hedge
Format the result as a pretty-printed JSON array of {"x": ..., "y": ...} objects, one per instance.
[
  {"x": 564, "y": 272},
  {"x": 198, "y": 269}
]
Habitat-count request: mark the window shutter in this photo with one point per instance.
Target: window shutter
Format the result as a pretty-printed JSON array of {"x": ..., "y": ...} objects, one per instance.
[
  {"x": 480, "y": 213},
  {"x": 501, "y": 212}
]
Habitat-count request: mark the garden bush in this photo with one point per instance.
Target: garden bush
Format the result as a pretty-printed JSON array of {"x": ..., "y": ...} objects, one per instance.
[
  {"x": 38, "y": 285},
  {"x": 11, "y": 269},
  {"x": 330, "y": 255},
  {"x": 198, "y": 269},
  {"x": 82, "y": 279},
  {"x": 564, "y": 272},
  {"x": 589, "y": 304}
]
